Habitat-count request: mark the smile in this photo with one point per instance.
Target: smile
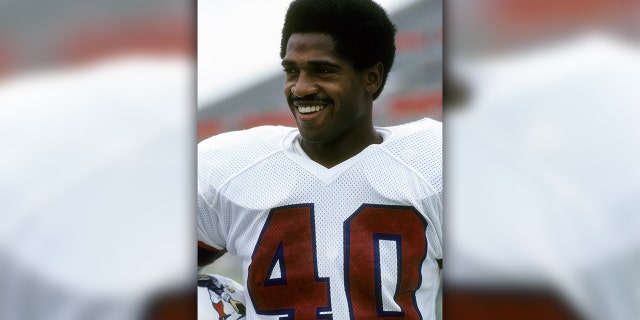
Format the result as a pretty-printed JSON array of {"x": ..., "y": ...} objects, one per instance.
[{"x": 309, "y": 109}]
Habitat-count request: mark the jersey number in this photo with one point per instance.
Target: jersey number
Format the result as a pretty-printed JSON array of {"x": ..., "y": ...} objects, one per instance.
[{"x": 283, "y": 276}]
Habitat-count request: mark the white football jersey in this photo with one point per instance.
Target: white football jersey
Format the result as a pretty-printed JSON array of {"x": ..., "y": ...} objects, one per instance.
[{"x": 359, "y": 240}]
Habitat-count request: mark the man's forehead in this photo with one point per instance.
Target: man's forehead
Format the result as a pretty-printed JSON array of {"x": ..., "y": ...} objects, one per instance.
[
  {"x": 311, "y": 45},
  {"x": 311, "y": 41}
]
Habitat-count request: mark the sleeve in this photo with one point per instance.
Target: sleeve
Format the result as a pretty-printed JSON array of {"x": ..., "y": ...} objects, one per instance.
[
  {"x": 437, "y": 200},
  {"x": 208, "y": 225}
]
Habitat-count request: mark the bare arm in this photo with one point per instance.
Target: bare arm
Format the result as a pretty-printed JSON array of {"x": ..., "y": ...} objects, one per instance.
[{"x": 208, "y": 254}]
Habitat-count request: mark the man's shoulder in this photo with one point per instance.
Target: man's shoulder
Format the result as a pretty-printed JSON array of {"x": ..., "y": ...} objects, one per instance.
[
  {"x": 418, "y": 145},
  {"x": 264, "y": 135},
  {"x": 418, "y": 135},
  {"x": 244, "y": 143},
  {"x": 228, "y": 153}
]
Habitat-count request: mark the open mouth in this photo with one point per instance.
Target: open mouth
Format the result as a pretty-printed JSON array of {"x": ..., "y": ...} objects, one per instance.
[
  {"x": 309, "y": 109},
  {"x": 310, "y": 106}
]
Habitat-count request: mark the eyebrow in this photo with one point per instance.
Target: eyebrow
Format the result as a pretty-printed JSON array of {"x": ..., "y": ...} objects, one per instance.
[
  {"x": 287, "y": 63},
  {"x": 313, "y": 63}
]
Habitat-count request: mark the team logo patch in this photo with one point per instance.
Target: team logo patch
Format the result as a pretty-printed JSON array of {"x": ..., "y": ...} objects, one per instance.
[{"x": 224, "y": 295}]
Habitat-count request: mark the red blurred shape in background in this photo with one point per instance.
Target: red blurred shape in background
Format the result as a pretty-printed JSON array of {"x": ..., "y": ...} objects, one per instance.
[
  {"x": 503, "y": 304},
  {"x": 159, "y": 34},
  {"x": 418, "y": 104},
  {"x": 208, "y": 128},
  {"x": 410, "y": 41}
]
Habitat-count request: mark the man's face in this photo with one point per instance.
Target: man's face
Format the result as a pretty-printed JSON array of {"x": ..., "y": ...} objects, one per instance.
[{"x": 325, "y": 93}]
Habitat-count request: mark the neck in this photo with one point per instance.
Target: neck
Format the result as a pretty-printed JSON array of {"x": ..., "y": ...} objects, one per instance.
[{"x": 333, "y": 153}]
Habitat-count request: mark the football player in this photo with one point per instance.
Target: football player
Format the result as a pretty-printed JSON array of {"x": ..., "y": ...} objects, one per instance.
[{"x": 336, "y": 218}]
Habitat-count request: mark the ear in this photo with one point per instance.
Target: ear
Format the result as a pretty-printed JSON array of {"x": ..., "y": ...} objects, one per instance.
[{"x": 373, "y": 77}]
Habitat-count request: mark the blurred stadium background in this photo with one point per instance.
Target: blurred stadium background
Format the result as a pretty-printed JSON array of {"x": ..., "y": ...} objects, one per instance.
[
  {"x": 97, "y": 132},
  {"x": 538, "y": 159}
]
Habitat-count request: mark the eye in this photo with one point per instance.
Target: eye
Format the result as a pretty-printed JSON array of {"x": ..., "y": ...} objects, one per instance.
[
  {"x": 290, "y": 70},
  {"x": 325, "y": 71}
]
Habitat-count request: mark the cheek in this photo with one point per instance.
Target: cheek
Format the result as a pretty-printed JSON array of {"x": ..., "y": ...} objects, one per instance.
[
  {"x": 352, "y": 97},
  {"x": 287, "y": 90}
]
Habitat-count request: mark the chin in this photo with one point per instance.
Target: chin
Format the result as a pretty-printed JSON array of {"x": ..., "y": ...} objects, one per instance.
[{"x": 311, "y": 137}]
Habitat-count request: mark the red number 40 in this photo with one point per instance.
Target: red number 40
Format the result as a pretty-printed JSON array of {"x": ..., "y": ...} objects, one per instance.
[{"x": 287, "y": 248}]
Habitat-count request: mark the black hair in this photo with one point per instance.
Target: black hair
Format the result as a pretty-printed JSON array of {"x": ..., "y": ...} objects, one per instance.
[{"x": 361, "y": 29}]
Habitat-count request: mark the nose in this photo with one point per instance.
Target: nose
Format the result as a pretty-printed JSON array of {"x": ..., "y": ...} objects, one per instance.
[{"x": 304, "y": 86}]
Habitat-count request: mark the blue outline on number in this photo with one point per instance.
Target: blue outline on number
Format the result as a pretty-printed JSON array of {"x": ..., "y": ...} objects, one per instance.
[
  {"x": 279, "y": 256},
  {"x": 378, "y": 273},
  {"x": 347, "y": 259},
  {"x": 290, "y": 313}
]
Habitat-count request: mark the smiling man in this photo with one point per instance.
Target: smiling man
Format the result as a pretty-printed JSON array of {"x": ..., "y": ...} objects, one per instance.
[
  {"x": 330, "y": 99},
  {"x": 336, "y": 218}
]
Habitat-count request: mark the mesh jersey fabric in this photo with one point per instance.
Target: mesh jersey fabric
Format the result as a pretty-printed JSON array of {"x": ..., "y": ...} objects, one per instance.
[{"x": 261, "y": 200}]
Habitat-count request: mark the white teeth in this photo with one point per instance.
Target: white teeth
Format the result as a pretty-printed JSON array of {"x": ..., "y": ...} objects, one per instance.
[{"x": 310, "y": 109}]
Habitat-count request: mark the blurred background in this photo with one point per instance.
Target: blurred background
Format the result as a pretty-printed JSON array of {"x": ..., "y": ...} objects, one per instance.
[
  {"x": 97, "y": 132},
  {"x": 541, "y": 107}
]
